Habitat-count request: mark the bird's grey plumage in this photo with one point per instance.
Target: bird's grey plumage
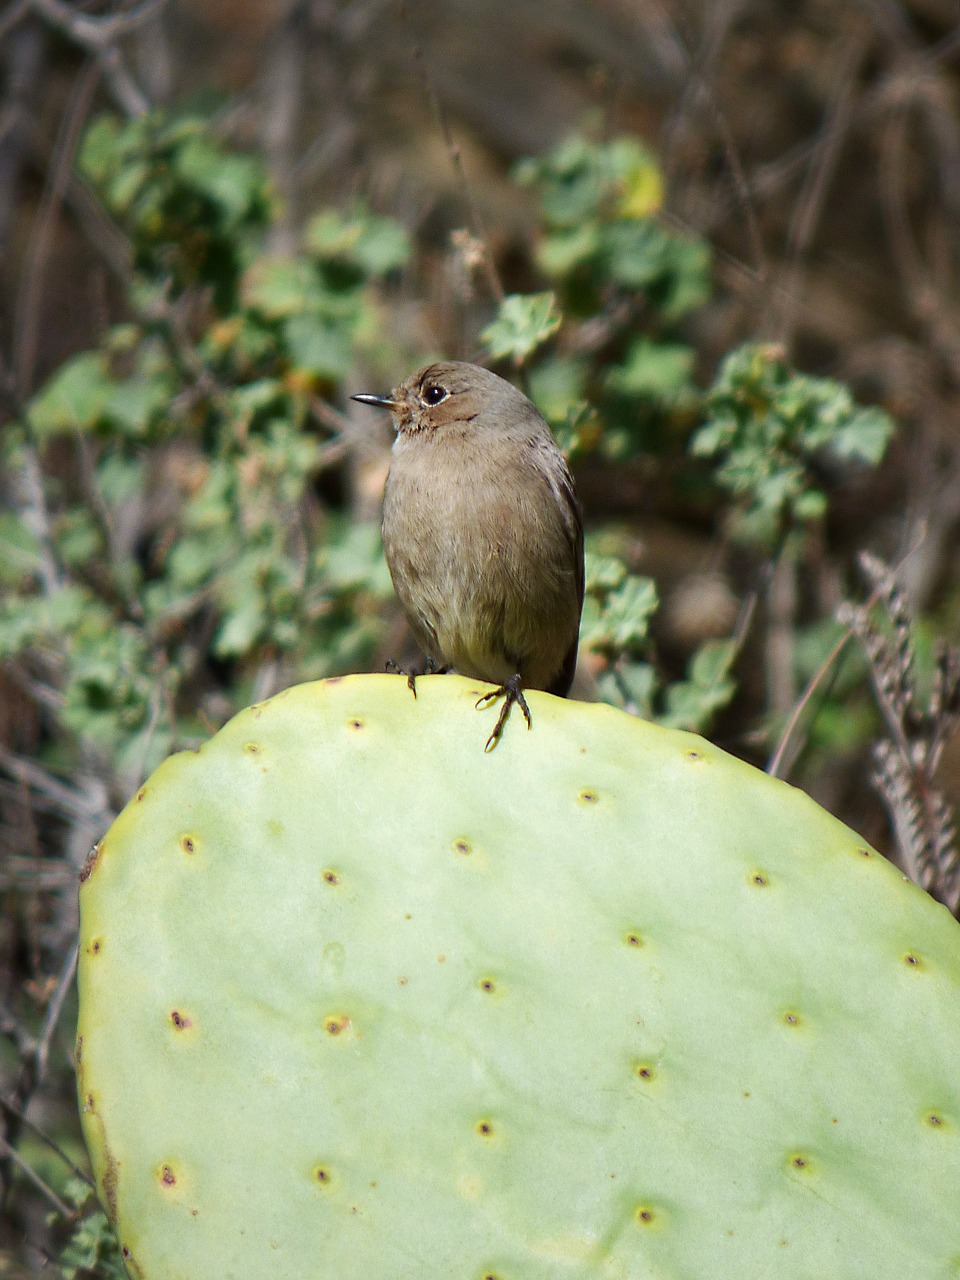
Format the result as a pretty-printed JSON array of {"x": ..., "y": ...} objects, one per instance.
[
  {"x": 483, "y": 533},
  {"x": 482, "y": 530}
]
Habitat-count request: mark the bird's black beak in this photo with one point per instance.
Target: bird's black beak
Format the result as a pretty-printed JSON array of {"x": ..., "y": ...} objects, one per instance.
[{"x": 379, "y": 402}]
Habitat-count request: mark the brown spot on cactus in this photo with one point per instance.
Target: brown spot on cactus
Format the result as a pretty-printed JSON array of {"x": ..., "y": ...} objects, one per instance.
[
  {"x": 180, "y": 1020},
  {"x": 934, "y": 1119},
  {"x": 461, "y": 846},
  {"x": 760, "y": 879},
  {"x": 140, "y": 794},
  {"x": 646, "y": 1215},
  {"x": 336, "y": 1024},
  {"x": 188, "y": 844},
  {"x": 792, "y": 1019},
  {"x": 485, "y": 1128},
  {"x": 132, "y": 1266},
  {"x": 323, "y": 1175},
  {"x": 95, "y": 946},
  {"x": 90, "y": 862},
  {"x": 588, "y": 796},
  {"x": 331, "y": 877},
  {"x": 253, "y": 748},
  {"x": 634, "y": 939},
  {"x": 167, "y": 1176},
  {"x": 355, "y": 724},
  {"x": 488, "y": 985},
  {"x": 645, "y": 1071},
  {"x": 913, "y": 960},
  {"x": 110, "y": 1182}
]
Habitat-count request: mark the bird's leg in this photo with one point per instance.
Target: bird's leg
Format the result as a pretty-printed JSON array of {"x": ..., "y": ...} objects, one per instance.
[
  {"x": 512, "y": 692},
  {"x": 430, "y": 668}
]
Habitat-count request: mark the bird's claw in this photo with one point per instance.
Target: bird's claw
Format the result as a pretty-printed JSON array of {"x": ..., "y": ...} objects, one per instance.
[
  {"x": 512, "y": 692},
  {"x": 431, "y": 667},
  {"x": 391, "y": 665}
]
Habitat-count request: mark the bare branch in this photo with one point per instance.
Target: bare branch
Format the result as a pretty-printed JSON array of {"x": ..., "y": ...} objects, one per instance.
[
  {"x": 456, "y": 159},
  {"x": 10, "y": 1153},
  {"x": 29, "y": 299},
  {"x": 100, "y": 37},
  {"x": 96, "y": 33}
]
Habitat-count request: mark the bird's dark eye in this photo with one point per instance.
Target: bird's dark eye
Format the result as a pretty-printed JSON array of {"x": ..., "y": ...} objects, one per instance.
[{"x": 433, "y": 393}]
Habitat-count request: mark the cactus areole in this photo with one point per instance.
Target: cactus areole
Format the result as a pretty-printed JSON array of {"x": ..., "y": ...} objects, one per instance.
[{"x": 360, "y": 1002}]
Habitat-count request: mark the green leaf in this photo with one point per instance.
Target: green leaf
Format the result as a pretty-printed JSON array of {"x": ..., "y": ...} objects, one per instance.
[
  {"x": 602, "y": 573},
  {"x": 523, "y": 323},
  {"x": 352, "y": 560},
  {"x": 134, "y": 404},
  {"x": 864, "y": 437},
  {"x": 374, "y": 245},
  {"x": 655, "y": 370},
  {"x": 78, "y": 536},
  {"x": 691, "y": 703},
  {"x": 635, "y": 253},
  {"x": 685, "y": 283},
  {"x": 319, "y": 346},
  {"x": 616, "y": 622},
  {"x": 34, "y": 619},
  {"x": 235, "y": 183},
  {"x": 20, "y": 553},
  {"x": 74, "y": 399},
  {"x": 631, "y": 685},
  {"x": 560, "y": 252},
  {"x": 281, "y": 286},
  {"x": 557, "y": 383},
  {"x": 240, "y": 629},
  {"x": 765, "y": 423},
  {"x": 97, "y": 154}
]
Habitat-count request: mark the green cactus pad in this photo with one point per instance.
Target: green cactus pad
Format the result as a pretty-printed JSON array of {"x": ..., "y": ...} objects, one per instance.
[{"x": 361, "y": 1002}]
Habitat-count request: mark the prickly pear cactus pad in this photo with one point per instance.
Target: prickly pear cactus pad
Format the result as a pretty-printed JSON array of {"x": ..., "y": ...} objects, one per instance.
[{"x": 360, "y": 1002}]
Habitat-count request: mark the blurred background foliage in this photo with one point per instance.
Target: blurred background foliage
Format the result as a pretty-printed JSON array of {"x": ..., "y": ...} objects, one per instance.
[{"x": 718, "y": 244}]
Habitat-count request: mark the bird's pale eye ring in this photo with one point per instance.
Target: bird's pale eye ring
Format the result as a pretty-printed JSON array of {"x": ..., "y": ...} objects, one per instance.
[{"x": 433, "y": 393}]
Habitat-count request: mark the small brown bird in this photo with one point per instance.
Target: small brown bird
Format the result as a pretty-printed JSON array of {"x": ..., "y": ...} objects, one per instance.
[{"x": 483, "y": 533}]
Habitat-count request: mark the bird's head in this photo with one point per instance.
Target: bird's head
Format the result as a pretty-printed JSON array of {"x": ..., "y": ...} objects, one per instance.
[{"x": 449, "y": 392}]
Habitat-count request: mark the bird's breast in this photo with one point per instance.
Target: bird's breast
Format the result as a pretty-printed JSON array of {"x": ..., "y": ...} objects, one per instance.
[{"x": 480, "y": 560}]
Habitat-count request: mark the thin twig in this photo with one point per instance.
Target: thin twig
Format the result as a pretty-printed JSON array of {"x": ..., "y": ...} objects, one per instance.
[
  {"x": 55, "y": 1008},
  {"x": 29, "y": 299},
  {"x": 61, "y": 795},
  {"x": 96, "y": 33},
  {"x": 456, "y": 158},
  {"x": 812, "y": 197},
  {"x": 10, "y": 1153},
  {"x": 776, "y": 760},
  {"x": 45, "y": 1138},
  {"x": 15, "y": 14},
  {"x": 99, "y": 37}
]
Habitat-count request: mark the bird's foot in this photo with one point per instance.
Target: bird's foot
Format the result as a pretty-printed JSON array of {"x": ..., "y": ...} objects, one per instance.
[
  {"x": 512, "y": 692},
  {"x": 430, "y": 668}
]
